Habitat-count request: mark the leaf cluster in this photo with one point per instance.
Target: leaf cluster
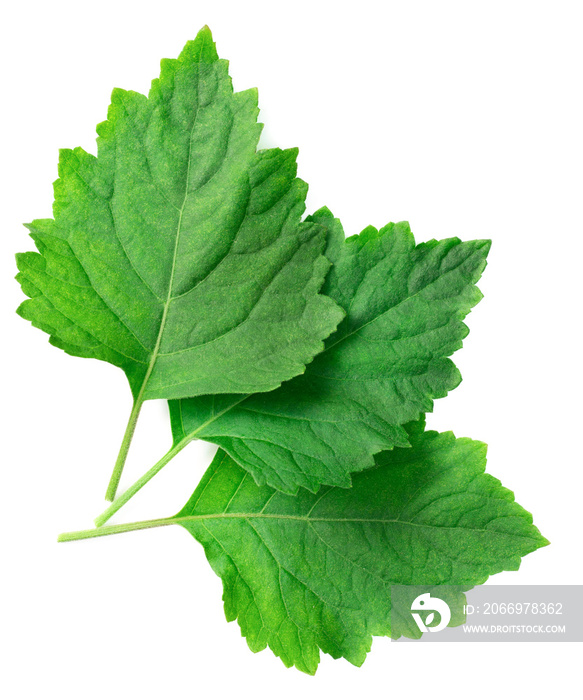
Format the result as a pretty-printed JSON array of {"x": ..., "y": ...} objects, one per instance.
[{"x": 179, "y": 254}]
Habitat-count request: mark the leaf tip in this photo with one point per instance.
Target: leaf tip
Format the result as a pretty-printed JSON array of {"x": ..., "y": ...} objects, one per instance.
[
  {"x": 322, "y": 213},
  {"x": 202, "y": 50},
  {"x": 483, "y": 245}
]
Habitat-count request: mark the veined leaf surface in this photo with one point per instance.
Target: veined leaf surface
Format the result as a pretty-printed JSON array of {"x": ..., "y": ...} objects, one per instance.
[
  {"x": 384, "y": 366},
  {"x": 314, "y": 571},
  {"x": 178, "y": 253}
]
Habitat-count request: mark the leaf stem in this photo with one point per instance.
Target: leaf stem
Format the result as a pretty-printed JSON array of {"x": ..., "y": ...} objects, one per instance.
[
  {"x": 142, "y": 481},
  {"x": 114, "y": 529},
  {"x": 123, "y": 450}
]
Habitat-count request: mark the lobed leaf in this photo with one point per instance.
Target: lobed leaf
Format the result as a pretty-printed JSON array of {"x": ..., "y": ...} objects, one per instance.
[
  {"x": 178, "y": 253},
  {"x": 314, "y": 571},
  {"x": 383, "y": 367}
]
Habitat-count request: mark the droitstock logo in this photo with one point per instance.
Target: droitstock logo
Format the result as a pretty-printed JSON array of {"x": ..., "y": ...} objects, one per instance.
[
  {"x": 509, "y": 613},
  {"x": 428, "y": 603}
]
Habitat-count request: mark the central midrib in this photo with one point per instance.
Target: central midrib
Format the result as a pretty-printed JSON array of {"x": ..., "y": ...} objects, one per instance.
[
  {"x": 180, "y": 520},
  {"x": 156, "y": 349}
]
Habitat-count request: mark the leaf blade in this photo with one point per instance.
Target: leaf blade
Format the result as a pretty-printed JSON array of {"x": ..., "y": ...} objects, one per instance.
[
  {"x": 171, "y": 247},
  {"x": 383, "y": 366},
  {"x": 313, "y": 572}
]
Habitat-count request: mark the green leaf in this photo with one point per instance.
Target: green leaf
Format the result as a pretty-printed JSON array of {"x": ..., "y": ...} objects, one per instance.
[
  {"x": 178, "y": 253},
  {"x": 383, "y": 367},
  {"x": 314, "y": 571}
]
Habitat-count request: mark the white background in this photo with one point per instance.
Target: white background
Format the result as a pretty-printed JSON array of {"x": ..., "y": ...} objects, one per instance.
[{"x": 464, "y": 118}]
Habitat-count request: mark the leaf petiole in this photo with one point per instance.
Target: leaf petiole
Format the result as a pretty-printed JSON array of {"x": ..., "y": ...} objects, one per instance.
[
  {"x": 151, "y": 473},
  {"x": 114, "y": 529},
  {"x": 142, "y": 481},
  {"x": 123, "y": 450}
]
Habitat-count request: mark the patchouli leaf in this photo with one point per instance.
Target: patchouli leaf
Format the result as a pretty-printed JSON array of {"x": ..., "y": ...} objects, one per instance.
[
  {"x": 388, "y": 360},
  {"x": 314, "y": 572},
  {"x": 178, "y": 253}
]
